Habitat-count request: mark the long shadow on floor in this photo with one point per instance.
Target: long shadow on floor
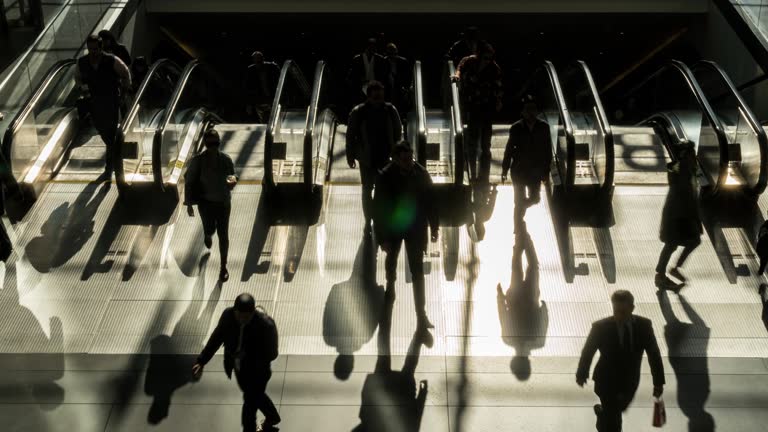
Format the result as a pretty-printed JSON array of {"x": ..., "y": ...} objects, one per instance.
[
  {"x": 254, "y": 264},
  {"x": 352, "y": 309},
  {"x": 67, "y": 230},
  {"x": 524, "y": 319},
  {"x": 39, "y": 390},
  {"x": 392, "y": 400},
  {"x": 167, "y": 370},
  {"x": 687, "y": 345}
]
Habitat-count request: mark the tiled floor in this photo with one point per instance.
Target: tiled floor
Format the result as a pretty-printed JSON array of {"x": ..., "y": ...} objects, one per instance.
[{"x": 101, "y": 316}]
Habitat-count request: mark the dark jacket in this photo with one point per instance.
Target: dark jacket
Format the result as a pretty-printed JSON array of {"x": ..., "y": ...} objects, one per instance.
[
  {"x": 617, "y": 371},
  {"x": 403, "y": 204},
  {"x": 103, "y": 82},
  {"x": 204, "y": 181},
  {"x": 460, "y": 49},
  {"x": 372, "y": 133},
  {"x": 399, "y": 78},
  {"x": 680, "y": 219},
  {"x": 356, "y": 74},
  {"x": 227, "y": 333},
  {"x": 529, "y": 151},
  {"x": 261, "y": 83},
  {"x": 480, "y": 90},
  {"x": 121, "y": 52}
]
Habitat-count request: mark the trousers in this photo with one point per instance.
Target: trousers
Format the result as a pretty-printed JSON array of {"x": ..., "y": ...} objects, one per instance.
[
  {"x": 254, "y": 387},
  {"x": 478, "y": 144},
  {"x": 215, "y": 218},
  {"x": 609, "y": 420},
  {"x": 368, "y": 179},
  {"x": 105, "y": 119},
  {"x": 414, "y": 249},
  {"x": 666, "y": 254}
]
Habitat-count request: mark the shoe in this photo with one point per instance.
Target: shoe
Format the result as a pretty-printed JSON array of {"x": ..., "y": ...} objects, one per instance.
[
  {"x": 598, "y": 409},
  {"x": 367, "y": 230},
  {"x": 480, "y": 230},
  {"x": 389, "y": 295},
  {"x": 208, "y": 241},
  {"x": 761, "y": 290},
  {"x": 676, "y": 273},
  {"x": 224, "y": 274},
  {"x": 268, "y": 426},
  {"x": 424, "y": 323}
]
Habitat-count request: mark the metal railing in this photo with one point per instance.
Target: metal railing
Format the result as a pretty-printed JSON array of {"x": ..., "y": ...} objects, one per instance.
[
  {"x": 453, "y": 103},
  {"x": 420, "y": 142}
]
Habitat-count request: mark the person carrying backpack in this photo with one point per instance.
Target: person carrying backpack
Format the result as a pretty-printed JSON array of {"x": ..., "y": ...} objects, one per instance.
[{"x": 250, "y": 340}]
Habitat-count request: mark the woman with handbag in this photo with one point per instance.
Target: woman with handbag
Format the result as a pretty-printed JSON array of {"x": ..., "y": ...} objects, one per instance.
[{"x": 680, "y": 219}]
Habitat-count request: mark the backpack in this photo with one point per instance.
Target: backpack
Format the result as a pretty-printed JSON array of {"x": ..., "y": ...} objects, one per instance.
[{"x": 270, "y": 342}]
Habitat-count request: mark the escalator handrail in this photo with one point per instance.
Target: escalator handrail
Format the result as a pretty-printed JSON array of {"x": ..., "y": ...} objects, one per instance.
[
  {"x": 706, "y": 110},
  {"x": 154, "y": 69},
  {"x": 565, "y": 117},
  {"x": 605, "y": 126},
  {"x": 669, "y": 121},
  {"x": 157, "y": 142},
  {"x": 309, "y": 127},
  {"x": 30, "y": 104},
  {"x": 421, "y": 114},
  {"x": 289, "y": 67},
  {"x": 457, "y": 125},
  {"x": 749, "y": 115}
]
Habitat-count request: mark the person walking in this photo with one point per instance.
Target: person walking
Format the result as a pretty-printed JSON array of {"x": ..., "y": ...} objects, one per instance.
[
  {"x": 480, "y": 90},
  {"x": 112, "y": 46},
  {"x": 621, "y": 340},
  {"x": 373, "y": 129},
  {"x": 250, "y": 342},
  {"x": 465, "y": 46},
  {"x": 399, "y": 78},
  {"x": 106, "y": 80},
  {"x": 366, "y": 67},
  {"x": 261, "y": 79},
  {"x": 680, "y": 219},
  {"x": 209, "y": 181},
  {"x": 527, "y": 157},
  {"x": 403, "y": 211}
]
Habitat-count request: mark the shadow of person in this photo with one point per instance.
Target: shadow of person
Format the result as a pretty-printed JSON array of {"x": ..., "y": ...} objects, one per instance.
[
  {"x": 764, "y": 301},
  {"x": 392, "y": 400},
  {"x": 351, "y": 311},
  {"x": 524, "y": 319},
  {"x": 67, "y": 229},
  {"x": 168, "y": 371},
  {"x": 41, "y": 386},
  {"x": 687, "y": 344}
]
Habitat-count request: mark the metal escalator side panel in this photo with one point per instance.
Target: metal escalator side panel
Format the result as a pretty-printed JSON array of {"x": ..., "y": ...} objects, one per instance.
[
  {"x": 748, "y": 142},
  {"x": 318, "y": 136},
  {"x": 419, "y": 140},
  {"x": 457, "y": 125}
]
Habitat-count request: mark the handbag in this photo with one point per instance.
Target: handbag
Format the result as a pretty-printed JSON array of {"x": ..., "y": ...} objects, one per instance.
[{"x": 659, "y": 413}]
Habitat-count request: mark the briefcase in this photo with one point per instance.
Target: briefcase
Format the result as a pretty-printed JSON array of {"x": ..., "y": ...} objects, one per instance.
[{"x": 659, "y": 413}]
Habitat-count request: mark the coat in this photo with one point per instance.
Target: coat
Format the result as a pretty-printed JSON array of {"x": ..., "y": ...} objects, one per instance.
[
  {"x": 227, "y": 333},
  {"x": 403, "y": 204},
  {"x": 616, "y": 371},
  {"x": 680, "y": 219},
  {"x": 368, "y": 147},
  {"x": 356, "y": 75},
  {"x": 528, "y": 154}
]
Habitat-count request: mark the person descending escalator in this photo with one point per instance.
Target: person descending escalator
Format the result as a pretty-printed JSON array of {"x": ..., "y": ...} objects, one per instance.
[
  {"x": 527, "y": 157},
  {"x": 466, "y": 46},
  {"x": 261, "y": 79},
  {"x": 480, "y": 88},
  {"x": 365, "y": 68},
  {"x": 139, "y": 71},
  {"x": 403, "y": 212},
  {"x": 106, "y": 80},
  {"x": 399, "y": 77},
  {"x": 209, "y": 181},
  {"x": 680, "y": 219},
  {"x": 374, "y": 128},
  {"x": 112, "y": 46}
]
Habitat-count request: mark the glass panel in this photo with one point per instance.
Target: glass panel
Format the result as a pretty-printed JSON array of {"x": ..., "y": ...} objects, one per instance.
[
  {"x": 321, "y": 131},
  {"x": 38, "y": 125},
  {"x": 144, "y": 119},
  {"x": 288, "y": 132}
]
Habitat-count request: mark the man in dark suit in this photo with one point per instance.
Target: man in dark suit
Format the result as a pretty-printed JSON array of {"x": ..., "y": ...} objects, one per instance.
[
  {"x": 621, "y": 340},
  {"x": 366, "y": 67},
  {"x": 399, "y": 79},
  {"x": 249, "y": 337}
]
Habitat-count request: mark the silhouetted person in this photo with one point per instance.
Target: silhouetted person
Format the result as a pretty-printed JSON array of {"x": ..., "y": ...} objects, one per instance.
[
  {"x": 139, "y": 70},
  {"x": 480, "y": 89},
  {"x": 693, "y": 389},
  {"x": 261, "y": 79},
  {"x": 621, "y": 340},
  {"x": 466, "y": 46},
  {"x": 527, "y": 157},
  {"x": 399, "y": 78},
  {"x": 209, "y": 181},
  {"x": 108, "y": 80},
  {"x": 366, "y": 67},
  {"x": 392, "y": 400},
  {"x": 112, "y": 46},
  {"x": 680, "y": 219},
  {"x": 403, "y": 210},
  {"x": 764, "y": 300},
  {"x": 352, "y": 310},
  {"x": 373, "y": 130},
  {"x": 524, "y": 319},
  {"x": 249, "y": 337},
  {"x": 762, "y": 247}
]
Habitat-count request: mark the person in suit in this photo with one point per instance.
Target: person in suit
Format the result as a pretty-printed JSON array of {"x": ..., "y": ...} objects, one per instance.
[
  {"x": 399, "y": 78},
  {"x": 374, "y": 128},
  {"x": 366, "y": 67},
  {"x": 250, "y": 344},
  {"x": 621, "y": 340}
]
